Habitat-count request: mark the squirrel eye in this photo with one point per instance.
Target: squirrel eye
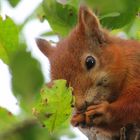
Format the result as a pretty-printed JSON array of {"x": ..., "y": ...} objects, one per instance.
[{"x": 90, "y": 62}]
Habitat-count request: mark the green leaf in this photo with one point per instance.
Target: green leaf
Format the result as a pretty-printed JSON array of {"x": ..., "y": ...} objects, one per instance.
[
  {"x": 8, "y": 39},
  {"x": 14, "y": 2},
  {"x": 126, "y": 9},
  {"x": 61, "y": 17},
  {"x": 27, "y": 78},
  {"x": 54, "y": 108},
  {"x": 6, "y": 119},
  {"x": 133, "y": 29}
]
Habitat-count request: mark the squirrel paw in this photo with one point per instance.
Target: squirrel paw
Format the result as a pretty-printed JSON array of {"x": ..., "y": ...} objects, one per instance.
[{"x": 98, "y": 114}]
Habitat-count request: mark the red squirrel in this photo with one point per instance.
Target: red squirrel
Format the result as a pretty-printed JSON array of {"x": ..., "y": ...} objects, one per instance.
[{"x": 103, "y": 70}]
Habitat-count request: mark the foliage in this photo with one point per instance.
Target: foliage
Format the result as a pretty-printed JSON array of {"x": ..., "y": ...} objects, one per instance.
[
  {"x": 112, "y": 14},
  {"x": 27, "y": 78},
  {"x": 117, "y": 13}
]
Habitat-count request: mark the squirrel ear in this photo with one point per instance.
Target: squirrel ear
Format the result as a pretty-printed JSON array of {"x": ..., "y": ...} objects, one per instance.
[
  {"x": 44, "y": 46},
  {"x": 89, "y": 23}
]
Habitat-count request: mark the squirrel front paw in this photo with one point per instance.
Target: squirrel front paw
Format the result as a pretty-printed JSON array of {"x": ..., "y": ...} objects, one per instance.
[
  {"x": 95, "y": 115},
  {"x": 98, "y": 114}
]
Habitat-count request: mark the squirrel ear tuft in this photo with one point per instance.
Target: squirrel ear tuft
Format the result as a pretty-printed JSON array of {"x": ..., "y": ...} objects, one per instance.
[
  {"x": 44, "y": 46},
  {"x": 89, "y": 23},
  {"x": 88, "y": 20}
]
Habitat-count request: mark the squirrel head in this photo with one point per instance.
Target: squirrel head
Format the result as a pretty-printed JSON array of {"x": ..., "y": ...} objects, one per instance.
[{"x": 88, "y": 59}]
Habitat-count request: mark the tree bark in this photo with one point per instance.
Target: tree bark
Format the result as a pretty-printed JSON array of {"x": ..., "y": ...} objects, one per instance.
[
  {"x": 130, "y": 132},
  {"x": 95, "y": 134}
]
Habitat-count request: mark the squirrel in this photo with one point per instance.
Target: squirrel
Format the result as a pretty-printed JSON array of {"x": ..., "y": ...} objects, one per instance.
[{"x": 104, "y": 72}]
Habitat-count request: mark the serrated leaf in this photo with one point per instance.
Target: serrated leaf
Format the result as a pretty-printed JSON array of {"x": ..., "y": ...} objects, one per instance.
[
  {"x": 8, "y": 39},
  {"x": 61, "y": 17},
  {"x": 54, "y": 108},
  {"x": 6, "y": 119},
  {"x": 27, "y": 78}
]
